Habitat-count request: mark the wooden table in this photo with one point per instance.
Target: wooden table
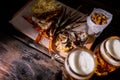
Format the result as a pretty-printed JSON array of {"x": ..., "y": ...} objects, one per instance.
[{"x": 21, "y": 62}]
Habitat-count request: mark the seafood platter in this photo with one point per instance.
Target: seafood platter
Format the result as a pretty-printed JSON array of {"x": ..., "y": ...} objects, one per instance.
[{"x": 58, "y": 27}]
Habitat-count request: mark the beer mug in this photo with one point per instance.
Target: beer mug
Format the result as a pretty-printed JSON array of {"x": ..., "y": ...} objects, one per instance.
[
  {"x": 108, "y": 55},
  {"x": 80, "y": 64}
]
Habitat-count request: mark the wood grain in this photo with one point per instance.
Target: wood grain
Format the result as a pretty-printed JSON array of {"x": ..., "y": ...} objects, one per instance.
[{"x": 21, "y": 62}]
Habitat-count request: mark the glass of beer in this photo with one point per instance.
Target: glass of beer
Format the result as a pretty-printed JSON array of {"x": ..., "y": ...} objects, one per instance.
[
  {"x": 108, "y": 55},
  {"x": 80, "y": 64}
]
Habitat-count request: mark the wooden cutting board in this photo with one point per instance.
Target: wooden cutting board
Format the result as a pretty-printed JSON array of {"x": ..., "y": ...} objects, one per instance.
[{"x": 26, "y": 28}]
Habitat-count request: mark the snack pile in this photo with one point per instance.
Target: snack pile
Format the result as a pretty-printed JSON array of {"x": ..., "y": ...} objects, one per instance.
[{"x": 98, "y": 20}]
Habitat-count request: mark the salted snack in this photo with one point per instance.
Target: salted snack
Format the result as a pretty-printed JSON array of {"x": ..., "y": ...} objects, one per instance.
[
  {"x": 98, "y": 20},
  {"x": 108, "y": 56},
  {"x": 80, "y": 64}
]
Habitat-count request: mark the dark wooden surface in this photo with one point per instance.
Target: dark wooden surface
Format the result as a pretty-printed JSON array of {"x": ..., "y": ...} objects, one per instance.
[
  {"x": 18, "y": 61},
  {"x": 21, "y": 62}
]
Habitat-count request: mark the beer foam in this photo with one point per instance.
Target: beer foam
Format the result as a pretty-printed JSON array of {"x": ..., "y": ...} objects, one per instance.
[
  {"x": 113, "y": 47},
  {"x": 81, "y": 62},
  {"x": 108, "y": 45}
]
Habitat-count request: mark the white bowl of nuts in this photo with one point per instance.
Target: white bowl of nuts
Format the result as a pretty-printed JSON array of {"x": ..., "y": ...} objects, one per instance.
[{"x": 98, "y": 20}]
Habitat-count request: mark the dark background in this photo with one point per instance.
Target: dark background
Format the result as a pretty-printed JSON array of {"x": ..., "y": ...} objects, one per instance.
[{"x": 9, "y": 7}]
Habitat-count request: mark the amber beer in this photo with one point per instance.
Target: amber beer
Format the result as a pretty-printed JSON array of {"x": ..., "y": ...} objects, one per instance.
[
  {"x": 80, "y": 64},
  {"x": 108, "y": 56}
]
